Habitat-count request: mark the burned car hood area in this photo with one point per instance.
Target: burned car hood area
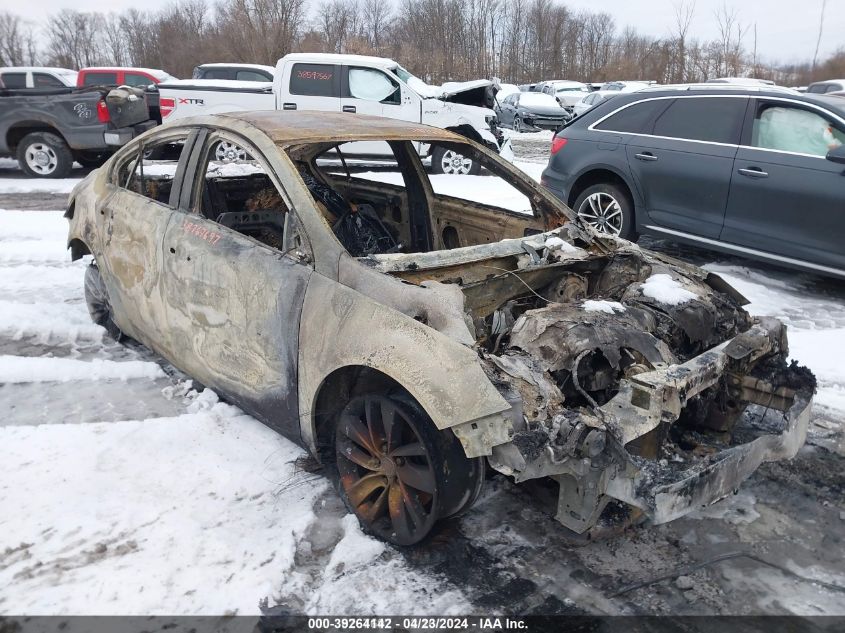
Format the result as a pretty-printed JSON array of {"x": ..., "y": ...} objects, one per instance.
[{"x": 628, "y": 373}]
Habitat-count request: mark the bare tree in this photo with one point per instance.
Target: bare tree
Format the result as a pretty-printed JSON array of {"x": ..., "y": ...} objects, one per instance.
[{"x": 17, "y": 45}]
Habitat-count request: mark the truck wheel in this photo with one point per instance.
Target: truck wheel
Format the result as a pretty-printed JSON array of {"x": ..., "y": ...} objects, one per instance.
[
  {"x": 396, "y": 472},
  {"x": 447, "y": 161},
  {"x": 44, "y": 155},
  {"x": 608, "y": 209},
  {"x": 97, "y": 299},
  {"x": 227, "y": 152}
]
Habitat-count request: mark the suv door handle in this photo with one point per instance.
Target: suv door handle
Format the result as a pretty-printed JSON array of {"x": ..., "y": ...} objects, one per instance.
[
  {"x": 349, "y": 108},
  {"x": 288, "y": 106},
  {"x": 753, "y": 172},
  {"x": 646, "y": 156}
]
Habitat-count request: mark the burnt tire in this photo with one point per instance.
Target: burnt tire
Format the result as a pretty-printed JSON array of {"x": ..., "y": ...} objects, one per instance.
[
  {"x": 99, "y": 307},
  {"x": 447, "y": 161},
  {"x": 396, "y": 472},
  {"x": 608, "y": 208},
  {"x": 44, "y": 155}
]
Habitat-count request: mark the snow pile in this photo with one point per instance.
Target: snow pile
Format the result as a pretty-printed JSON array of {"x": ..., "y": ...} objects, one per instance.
[
  {"x": 198, "y": 514},
  {"x": 17, "y": 369},
  {"x": 554, "y": 243},
  {"x": 601, "y": 305},
  {"x": 664, "y": 289},
  {"x": 32, "y": 225},
  {"x": 48, "y": 321},
  {"x": 354, "y": 549}
]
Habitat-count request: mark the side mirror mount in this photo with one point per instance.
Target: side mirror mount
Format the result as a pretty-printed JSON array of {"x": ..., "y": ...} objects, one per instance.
[{"x": 837, "y": 155}]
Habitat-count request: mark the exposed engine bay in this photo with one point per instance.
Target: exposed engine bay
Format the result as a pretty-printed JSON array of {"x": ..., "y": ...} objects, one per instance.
[{"x": 628, "y": 372}]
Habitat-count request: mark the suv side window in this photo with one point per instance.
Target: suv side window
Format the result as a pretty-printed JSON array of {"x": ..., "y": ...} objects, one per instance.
[
  {"x": 313, "y": 80},
  {"x": 713, "y": 119},
  {"x": 634, "y": 118},
  {"x": 794, "y": 129},
  {"x": 373, "y": 85}
]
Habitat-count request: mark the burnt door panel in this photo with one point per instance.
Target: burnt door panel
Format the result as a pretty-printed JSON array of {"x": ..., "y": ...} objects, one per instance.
[{"x": 234, "y": 307}]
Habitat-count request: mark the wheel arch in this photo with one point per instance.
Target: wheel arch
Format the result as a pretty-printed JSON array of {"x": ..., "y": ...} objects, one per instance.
[
  {"x": 598, "y": 175},
  {"x": 336, "y": 389},
  {"x": 16, "y": 132},
  {"x": 78, "y": 249}
]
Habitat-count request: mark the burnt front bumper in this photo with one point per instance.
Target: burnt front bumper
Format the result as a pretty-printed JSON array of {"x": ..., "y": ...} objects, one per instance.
[
  {"x": 598, "y": 455},
  {"x": 665, "y": 496}
]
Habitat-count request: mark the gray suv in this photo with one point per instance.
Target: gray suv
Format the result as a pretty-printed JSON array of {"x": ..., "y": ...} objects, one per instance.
[{"x": 757, "y": 172}]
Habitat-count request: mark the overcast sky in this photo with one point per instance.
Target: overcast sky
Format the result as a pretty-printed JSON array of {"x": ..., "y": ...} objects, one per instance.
[{"x": 786, "y": 29}]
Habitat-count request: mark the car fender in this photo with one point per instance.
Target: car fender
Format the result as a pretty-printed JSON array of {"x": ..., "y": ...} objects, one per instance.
[
  {"x": 342, "y": 327},
  {"x": 624, "y": 174}
]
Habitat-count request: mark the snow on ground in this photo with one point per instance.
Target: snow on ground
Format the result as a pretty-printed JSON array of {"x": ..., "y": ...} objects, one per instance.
[
  {"x": 47, "y": 185},
  {"x": 202, "y": 511}
]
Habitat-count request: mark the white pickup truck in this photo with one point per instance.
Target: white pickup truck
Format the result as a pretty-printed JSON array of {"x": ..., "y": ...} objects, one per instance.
[{"x": 353, "y": 83}]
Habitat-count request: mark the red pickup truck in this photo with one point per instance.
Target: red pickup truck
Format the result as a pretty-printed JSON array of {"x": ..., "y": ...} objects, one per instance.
[{"x": 127, "y": 76}]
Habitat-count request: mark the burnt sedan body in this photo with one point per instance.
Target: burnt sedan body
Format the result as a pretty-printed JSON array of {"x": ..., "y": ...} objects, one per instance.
[{"x": 405, "y": 335}]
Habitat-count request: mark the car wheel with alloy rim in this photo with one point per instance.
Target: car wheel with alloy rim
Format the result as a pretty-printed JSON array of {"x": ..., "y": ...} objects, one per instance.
[{"x": 608, "y": 209}]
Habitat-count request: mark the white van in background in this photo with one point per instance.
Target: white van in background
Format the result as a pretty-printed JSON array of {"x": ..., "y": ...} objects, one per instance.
[{"x": 353, "y": 83}]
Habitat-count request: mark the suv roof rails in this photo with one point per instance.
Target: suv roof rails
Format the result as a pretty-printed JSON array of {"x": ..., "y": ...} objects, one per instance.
[{"x": 739, "y": 87}]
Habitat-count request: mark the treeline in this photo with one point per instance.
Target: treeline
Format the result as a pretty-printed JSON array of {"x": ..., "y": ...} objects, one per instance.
[{"x": 517, "y": 40}]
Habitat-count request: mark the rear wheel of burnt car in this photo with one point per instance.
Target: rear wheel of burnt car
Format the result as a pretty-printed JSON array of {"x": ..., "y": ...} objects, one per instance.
[
  {"x": 99, "y": 307},
  {"x": 396, "y": 471},
  {"x": 608, "y": 209},
  {"x": 44, "y": 155},
  {"x": 447, "y": 161}
]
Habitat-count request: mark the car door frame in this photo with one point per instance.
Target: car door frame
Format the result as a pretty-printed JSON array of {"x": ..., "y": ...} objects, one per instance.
[
  {"x": 643, "y": 145},
  {"x": 760, "y": 244},
  {"x": 118, "y": 273},
  {"x": 269, "y": 393}
]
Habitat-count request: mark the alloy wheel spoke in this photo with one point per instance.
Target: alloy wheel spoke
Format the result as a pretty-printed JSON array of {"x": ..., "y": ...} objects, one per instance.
[
  {"x": 416, "y": 476},
  {"x": 377, "y": 508},
  {"x": 356, "y": 431},
  {"x": 351, "y": 451},
  {"x": 372, "y": 413},
  {"x": 364, "y": 487},
  {"x": 398, "y": 515},
  {"x": 415, "y": 449},
  {"x": 390, "y": 424},
  {"x": 412, "y": 506}
]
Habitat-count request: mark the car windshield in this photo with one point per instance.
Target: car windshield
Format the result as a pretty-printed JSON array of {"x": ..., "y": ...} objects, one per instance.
[{"x": 537, "y": 100}]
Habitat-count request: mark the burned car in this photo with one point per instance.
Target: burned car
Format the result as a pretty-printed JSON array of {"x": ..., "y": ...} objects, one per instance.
[{"x": 411, "y": 329}]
